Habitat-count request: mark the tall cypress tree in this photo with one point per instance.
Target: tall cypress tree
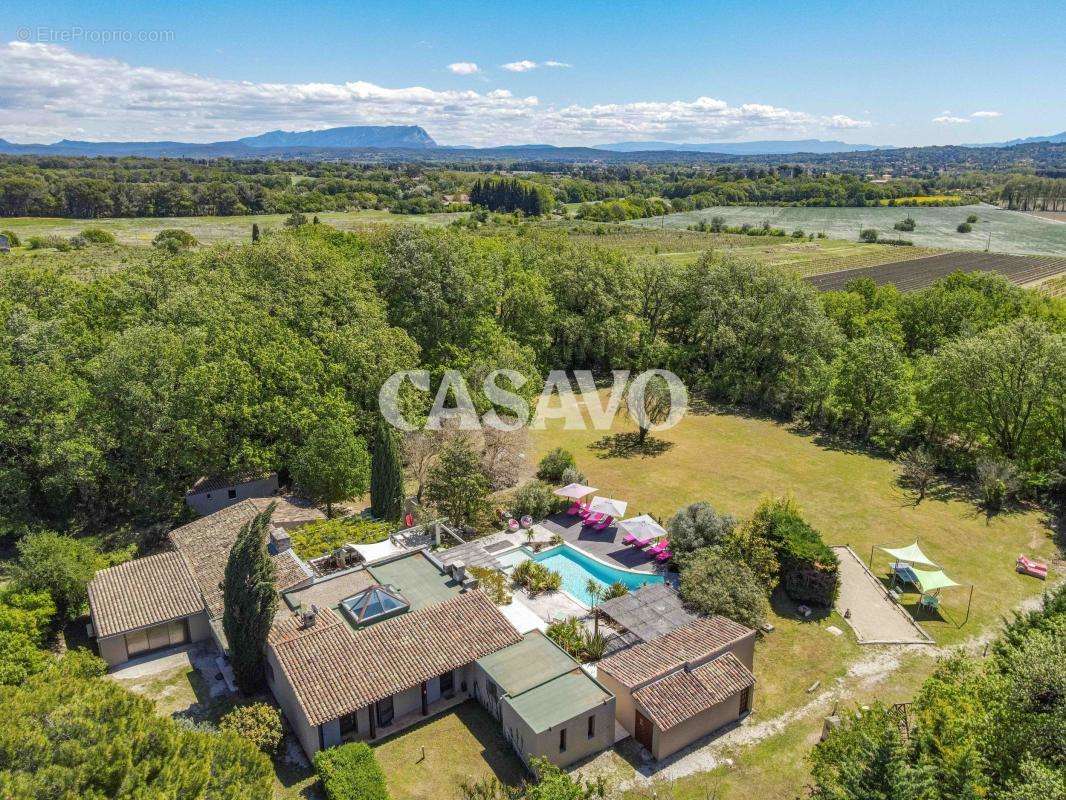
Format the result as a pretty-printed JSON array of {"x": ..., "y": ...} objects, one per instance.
[
  {"x": 386, "y": 475},
  {"x": 250, "y": 601}
]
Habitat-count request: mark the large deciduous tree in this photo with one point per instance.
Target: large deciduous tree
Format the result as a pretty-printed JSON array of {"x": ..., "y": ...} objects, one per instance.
[
  {"x": 457, "y": 485},
  {"x": 332, "y": 464},
  {"x": 249, "y": 602}
]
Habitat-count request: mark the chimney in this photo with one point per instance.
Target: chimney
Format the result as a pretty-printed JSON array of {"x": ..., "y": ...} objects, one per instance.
[
  {"x": 309, "y": 617},
  {"x": 279, "y": 537},
  {"x": 458, "y": 570}
]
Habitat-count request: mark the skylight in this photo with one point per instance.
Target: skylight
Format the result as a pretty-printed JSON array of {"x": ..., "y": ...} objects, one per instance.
[{"x": 374, "y": 603}]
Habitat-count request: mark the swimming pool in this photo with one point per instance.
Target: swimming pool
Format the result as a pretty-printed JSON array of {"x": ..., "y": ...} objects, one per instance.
[{"x": 577, "y": 569}]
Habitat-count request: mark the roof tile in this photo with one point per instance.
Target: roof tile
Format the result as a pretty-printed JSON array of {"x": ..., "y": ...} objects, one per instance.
[
  {"x": 142, "y": 592},
  {"x": 682, "y": 695}
]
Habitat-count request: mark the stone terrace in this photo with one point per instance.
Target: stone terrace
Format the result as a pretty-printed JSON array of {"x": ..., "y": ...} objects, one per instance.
[{"x": 605, "y": 545}]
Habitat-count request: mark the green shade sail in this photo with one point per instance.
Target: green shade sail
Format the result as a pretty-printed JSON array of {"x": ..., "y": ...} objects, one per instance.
[
  {"x": 912, "y": 554},
  {"x": 931, "y": 580}
]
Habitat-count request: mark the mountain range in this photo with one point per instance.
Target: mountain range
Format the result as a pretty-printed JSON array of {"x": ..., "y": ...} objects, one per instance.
[
  {"x": 412, "y": 142},
  {"x": 768, "y": 147}
]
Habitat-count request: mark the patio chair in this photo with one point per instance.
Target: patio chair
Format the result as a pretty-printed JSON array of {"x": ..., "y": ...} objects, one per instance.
[
  {"x": 1028, "y": 566},
  {"x": 664, "y": 556},
  {"x": 629, "y": 539},
  {"x": 512, "y": 525},
  {"x": 659, "y": 546},
  {"x": 593, "y": 519},
  {"x": 575, "y": 509},
  {"x": 640, "y": 544},
  {"x": 526, "y": 521},
  {"x": 604, "y": 523},
  {"x": 583, "y": 511}
]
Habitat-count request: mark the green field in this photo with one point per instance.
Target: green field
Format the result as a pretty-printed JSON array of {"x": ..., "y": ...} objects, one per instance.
[
  {"x": 733, "y": 461},
  {"x": 141, "y": 230},
  {"x": 1012, "y": 231}
]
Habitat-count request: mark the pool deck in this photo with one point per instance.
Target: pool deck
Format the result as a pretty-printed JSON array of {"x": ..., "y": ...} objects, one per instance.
[{"x": 605, "y": 545}]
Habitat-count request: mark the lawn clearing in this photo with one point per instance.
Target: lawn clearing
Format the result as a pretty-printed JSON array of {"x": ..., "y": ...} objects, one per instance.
[
  {"x": 141, "y": 230},
  {"x": 463, "y": 744}
]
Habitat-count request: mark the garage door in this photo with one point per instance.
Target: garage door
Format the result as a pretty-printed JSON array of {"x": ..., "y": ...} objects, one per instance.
[{"x": 157, "y": 637}]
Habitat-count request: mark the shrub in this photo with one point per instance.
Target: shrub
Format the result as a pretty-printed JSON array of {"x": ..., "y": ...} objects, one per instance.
[
  {"x": 972, "y": 218},
  {"x": 713, "y": 584},
  {"x": 616, "y": 589},
  {"x": 12, "y": 238},
  {"x": 698, "y": 525},
  {"x": 568, "y": 634},
  {"x": 808, "y": 567},
  {"x": 174, "y": 239},
  {"x": 997, "y": 481},
  {"x": 295, "y": 220},
  {"x": 97, "y": 236},
  {"x": 26, "y": 612},
  {"x": 572, "y": 475},
  {"x": 493, "y": 583},
  {"x": 554, "y": 464},
  {"x": 907, "y": 224},
  {"x": 964, "y": 227},
  {"x": 42, "y": 242},
  {"x": 258, "y": 723},
  {"x": 77, "y": 242},
  {"x": 535, "y": 499},
  {"x": 868, "y": 235},
  {"x": 536, "y": 578},
  {"x": 60, "y": 565},
  {"x": 324, "y": 536},
  {"x": 350, "y": 772}
]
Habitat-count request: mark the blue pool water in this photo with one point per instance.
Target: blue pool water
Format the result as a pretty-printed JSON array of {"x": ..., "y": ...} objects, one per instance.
[{"x": 577, "y": 568}]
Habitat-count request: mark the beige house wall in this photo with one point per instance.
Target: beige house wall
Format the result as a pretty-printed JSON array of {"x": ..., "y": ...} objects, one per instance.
[
  {"x": 624, "y": 705},
  {"x": 206, "y": 503},
  {"x": 114, "y": 652},
  {"x": 545, "y": 744},
  {"x": 665, "y": 743},
  {"x": 283, "y": 693}
]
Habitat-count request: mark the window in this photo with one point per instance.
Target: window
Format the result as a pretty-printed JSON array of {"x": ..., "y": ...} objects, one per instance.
[
  {"x": 447, "y": 683},
  {"x": 562, "y": 740},
  {"x": 349, "y": 724},
  {"x": 157, "y": 637},
  {"x": 592, "y": 726},
  {"x": 385, "y": 711},
  {"x": 232, "y": 493},
  {"x": 745, "y": 700}
]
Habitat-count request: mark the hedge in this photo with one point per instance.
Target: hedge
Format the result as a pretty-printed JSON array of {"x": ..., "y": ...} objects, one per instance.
[
  {"x": 350, "y": 772},
  {"x": 808, "y": 566}
]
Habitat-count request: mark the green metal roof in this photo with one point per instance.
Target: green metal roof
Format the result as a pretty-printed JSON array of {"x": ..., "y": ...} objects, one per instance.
[
  {"x": 529, "y": 663},
  {"x": 418, "y": 580},
  {"x": 558, "y": 700}
]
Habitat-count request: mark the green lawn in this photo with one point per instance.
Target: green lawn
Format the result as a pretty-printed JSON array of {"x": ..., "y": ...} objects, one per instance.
[
  {"x": 429, "y": 760},
  {"x": 734, "y": 460},
  {"x": 141, "y": 230}
]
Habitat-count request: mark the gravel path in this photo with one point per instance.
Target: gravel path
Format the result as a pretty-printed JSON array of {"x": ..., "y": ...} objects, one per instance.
[{"x": 874, "y": 616}]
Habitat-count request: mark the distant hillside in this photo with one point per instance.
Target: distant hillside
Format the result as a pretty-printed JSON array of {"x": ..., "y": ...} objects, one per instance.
[
  {"x": 1057, "y": 138},
  {"x": 767, "y": 147},
  {"x": 349, "y": 136}
]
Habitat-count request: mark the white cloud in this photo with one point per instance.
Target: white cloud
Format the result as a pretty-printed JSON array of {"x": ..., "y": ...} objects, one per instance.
[
  {"x": 464, "y": 67},
  {"x": 947, "y": 119},
  {"x": 48, "y": 92},
  {"x": 987, "y": 114},
  {"x": 524, "y": 65},
  {"x": 561, "y": 64}
]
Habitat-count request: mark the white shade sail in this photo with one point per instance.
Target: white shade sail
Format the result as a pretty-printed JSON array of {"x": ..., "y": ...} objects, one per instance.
[
  {"x": 575, "y": 491},
  {"x": 931, "y": 580},
  {"x": 912, "y": 554},
  {"x": 608, "y": 505},
  {"x": 643, "y": 527}
]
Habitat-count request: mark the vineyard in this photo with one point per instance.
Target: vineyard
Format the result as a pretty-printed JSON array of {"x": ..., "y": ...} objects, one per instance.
[{"x": 915, "y": 274}]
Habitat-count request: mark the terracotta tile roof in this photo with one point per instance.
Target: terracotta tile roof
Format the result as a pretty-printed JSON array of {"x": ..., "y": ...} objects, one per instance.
[
  {"x": 289, "y": 512},
  {"x": 335, "y": 670},
  {"x": 689, "y": 644},
  {"x": 205, "y": 544},
  {"x": 145, "y": 591},
  {"x": 209, "y": 483},
  {"x": 682, "y": 695}
]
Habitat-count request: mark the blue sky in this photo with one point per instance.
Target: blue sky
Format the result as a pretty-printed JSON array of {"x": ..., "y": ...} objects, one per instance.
[{"x": 885, "y": 73}]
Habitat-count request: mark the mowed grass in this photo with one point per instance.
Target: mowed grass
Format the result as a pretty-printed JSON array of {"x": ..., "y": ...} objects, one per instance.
[
  {"x": 428, "y": 761},
  {"x": 733, "y": 461},
  {"x": 141, "y": 230}
]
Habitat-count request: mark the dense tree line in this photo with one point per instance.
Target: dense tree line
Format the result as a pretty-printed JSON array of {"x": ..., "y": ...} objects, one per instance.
[
  {"x": 978, "y": 728},
  {"x": 510, "y": 194},
  {"x": 1030, "y": 193},
  {"x": 121, "y": 388},
  {"x": 143, "y": 187}
]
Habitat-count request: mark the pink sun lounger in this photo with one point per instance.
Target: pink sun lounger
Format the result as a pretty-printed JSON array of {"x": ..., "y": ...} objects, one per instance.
[
  {"x": 641, "y": 543},
  {"x": 658, "y": 547},
  {"x": 593, "y": 519},
  {"x": 606, "y": 522},
  {"x": 664, "y": 556},
  {"x": 1028, "y": 566}
]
